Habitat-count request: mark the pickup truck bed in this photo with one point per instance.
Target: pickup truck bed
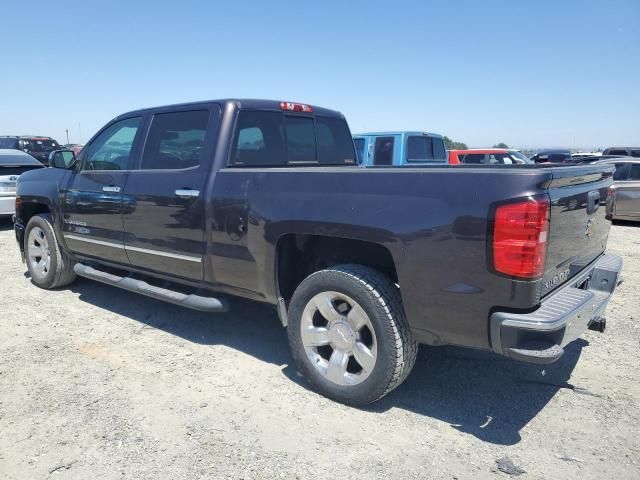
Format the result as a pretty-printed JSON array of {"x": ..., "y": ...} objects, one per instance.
[{"x": 362, "y": 264}]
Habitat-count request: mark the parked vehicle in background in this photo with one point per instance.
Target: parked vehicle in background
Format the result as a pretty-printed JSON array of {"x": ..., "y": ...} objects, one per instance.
[
  {"x": 626, "y": 188},
  {"x": 74, "y": 147},
  {"x": 552, "y": 156},
  {"x": 264, "y": 200},
  {"x": 581, "y": 155},
  {"x": 404, "y": 148},
  {"x": 624, "y": 151},
  {"x": 38, "y": 147},
  {"x": 13, "y": 163},
  {"x": 488, "y": 156}
]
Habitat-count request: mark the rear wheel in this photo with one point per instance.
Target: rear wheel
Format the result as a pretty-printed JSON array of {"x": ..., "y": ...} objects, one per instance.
[
  {"x": 348, "y": 334},
  {"x": 48, "y": 265}
]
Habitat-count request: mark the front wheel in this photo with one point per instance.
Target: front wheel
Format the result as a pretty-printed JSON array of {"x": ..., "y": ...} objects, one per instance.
[
  {"x": 48, "y": 265},
  {"x": 348, "y": 334}
]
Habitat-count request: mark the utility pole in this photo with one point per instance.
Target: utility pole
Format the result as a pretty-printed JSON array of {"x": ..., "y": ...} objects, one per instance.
[{"x": 67, "y": 130}]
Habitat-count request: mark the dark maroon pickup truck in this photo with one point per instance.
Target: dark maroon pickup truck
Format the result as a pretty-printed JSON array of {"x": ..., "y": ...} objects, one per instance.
[{"x": 260, "y": 199}]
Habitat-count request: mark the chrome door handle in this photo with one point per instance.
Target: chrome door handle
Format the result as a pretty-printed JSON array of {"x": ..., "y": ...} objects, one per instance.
[
  {"x": 187, "y": 193},
  {"x": 111, "y": 188}
]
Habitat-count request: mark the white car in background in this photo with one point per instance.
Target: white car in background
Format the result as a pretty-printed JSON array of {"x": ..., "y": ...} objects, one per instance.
[{"x": 13, "y": 163}]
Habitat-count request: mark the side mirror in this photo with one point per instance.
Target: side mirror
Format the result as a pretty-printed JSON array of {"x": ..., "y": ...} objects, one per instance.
[{"x": 62, "y": 159}]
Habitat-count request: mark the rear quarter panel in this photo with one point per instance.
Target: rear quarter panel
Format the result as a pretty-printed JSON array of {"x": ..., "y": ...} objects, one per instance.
[{"x": 433, "y": 220}]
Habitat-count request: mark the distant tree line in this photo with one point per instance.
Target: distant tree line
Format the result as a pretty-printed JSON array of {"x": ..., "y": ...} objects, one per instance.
[{"x": 453, "y": 145}]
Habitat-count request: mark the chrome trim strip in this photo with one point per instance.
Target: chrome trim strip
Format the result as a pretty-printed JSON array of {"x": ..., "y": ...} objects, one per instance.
[
  {"x": 135, "y": 249},
  {"x": 164, "y": 254},
  {"x": 91, "y": 240}
]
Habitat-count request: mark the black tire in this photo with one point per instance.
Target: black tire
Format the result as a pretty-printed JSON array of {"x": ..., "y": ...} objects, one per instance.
[
  {"x": 380, "y": 300},
  {"x": 60, "y": 271}
]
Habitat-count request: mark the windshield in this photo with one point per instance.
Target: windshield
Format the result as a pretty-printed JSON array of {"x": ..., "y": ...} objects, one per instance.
[
  {"x": 11, "y": 143},
  {"x": 41, "y": 145},
  {"x": 519, "y": 157}
]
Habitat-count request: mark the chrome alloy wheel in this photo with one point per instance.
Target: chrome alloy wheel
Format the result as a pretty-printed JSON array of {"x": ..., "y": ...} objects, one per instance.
[
  {"x": 38, "y": 252},
  {"x": 338, "y": 337}
]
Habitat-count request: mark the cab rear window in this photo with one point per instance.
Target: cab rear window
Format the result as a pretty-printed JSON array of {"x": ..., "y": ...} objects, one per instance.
[
  {"x": 266, "y": 138},
  {"x": 425, "y": 149}
]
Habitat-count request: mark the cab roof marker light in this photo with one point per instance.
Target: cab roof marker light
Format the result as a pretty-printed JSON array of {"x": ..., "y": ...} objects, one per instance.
[{"x": 295, "y": 107}]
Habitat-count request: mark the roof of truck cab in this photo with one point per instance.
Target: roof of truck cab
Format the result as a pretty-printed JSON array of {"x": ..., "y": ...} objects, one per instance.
[
  {"x": 396, "y": 132},
  {"x": 242, "y": 104}
]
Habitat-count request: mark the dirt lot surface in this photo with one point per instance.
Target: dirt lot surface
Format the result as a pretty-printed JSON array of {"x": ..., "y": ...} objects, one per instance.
[{"x": 99, "y": 383}]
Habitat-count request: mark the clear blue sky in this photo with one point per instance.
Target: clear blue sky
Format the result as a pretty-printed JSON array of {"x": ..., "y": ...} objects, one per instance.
[{"x": 529, "y": 73}]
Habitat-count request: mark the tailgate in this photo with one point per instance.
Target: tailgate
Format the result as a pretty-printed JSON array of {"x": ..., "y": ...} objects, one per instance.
[{"x": 578, "y": 228}]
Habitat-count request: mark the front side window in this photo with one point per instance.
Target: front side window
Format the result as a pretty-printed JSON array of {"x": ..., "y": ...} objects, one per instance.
[
  {"x": 635, "y": 153},
  {"x": 635, "y": 172},
  {"x": 383, "y": 151},
  {"x": 175, "y": 140},
  {"x": 111, "y": 149},
  {"x": 301, "y": 139},
  {"x": 10, "y": 143}
]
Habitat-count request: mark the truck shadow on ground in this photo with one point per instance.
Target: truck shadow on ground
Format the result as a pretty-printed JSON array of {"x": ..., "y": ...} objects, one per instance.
[
  {"x": 5, "y": 224},
  {"x": 477, "y": 393}
]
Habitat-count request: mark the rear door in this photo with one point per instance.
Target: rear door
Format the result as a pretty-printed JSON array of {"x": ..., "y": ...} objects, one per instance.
[
  {"x": 383, "y": 149},
  {"x": 92, "y": 197},
  {"x": 628, "y": 192},
  {"x": 164, "y": 217}
]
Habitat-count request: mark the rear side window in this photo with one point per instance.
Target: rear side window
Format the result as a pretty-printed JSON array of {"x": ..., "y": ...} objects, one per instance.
[
  {"x": 265, "y": 138},
  {"x": 617, "y": 151},
  {"x": 473, "y": 158},
  {"x": 622, "y": 171},
  {"x": 359, "y": 144},
  {"x": 558, "y": 157},
  {"x": 335, "y": 144},
  {"x": 175, "y": 140},
  {"x": 635, "y": 153},
  {"x": 635, "y": 172},
  {"x": 383, "y": 152}
]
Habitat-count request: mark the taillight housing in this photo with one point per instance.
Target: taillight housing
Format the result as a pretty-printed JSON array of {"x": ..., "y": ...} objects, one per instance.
[{"x": 519, "y": 238}]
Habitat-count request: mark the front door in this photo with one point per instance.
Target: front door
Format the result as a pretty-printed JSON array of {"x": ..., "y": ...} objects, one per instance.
[
  {"x": 164, "y": 230},
  {"x": 92, "y": 200}
]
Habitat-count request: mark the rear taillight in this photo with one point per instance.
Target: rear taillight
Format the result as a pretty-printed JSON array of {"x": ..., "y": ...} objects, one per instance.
[
  {"x": 520, "y": 234},
  {"x": 611, "y": 191}
]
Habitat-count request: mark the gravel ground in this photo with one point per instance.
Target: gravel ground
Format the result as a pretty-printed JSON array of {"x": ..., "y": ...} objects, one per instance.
[{"x": 97, "y": 383}]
